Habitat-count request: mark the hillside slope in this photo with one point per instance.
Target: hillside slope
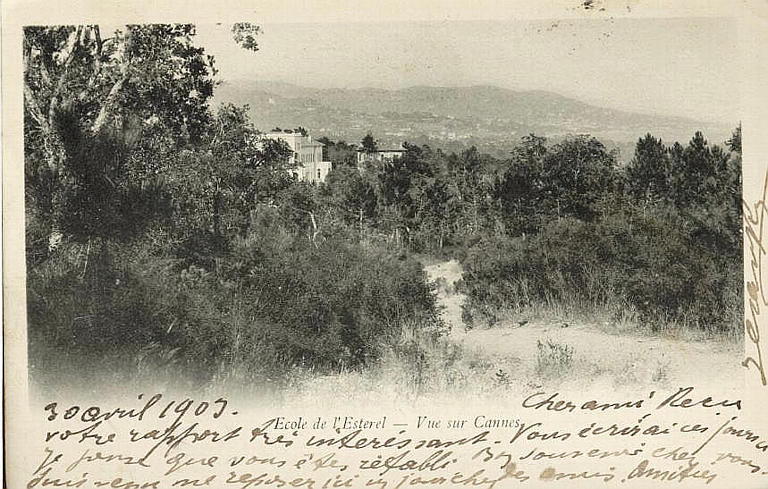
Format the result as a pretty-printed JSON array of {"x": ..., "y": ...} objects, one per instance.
[{"x": 492, "y": 118}]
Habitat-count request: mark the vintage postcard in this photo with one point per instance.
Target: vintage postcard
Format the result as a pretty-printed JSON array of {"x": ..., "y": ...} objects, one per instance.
[{"x": 364, "y": 245}]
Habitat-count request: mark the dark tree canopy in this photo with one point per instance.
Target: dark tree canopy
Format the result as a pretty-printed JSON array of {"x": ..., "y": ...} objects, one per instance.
[
  {"x": 91, "y": 99},
  {"x": 369, "y": 144}
]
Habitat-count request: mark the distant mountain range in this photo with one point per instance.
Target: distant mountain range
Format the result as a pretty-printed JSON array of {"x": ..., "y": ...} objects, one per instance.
[{"x": 491, "y": 118}]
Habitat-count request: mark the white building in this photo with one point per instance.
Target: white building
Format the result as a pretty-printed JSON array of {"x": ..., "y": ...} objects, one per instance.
[
  {"x": 365, "y": 158},
  {"x": 307, "y": 155}
]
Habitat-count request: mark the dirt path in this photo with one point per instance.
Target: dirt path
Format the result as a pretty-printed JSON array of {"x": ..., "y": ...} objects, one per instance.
[
  {"x": 446, "y": 274},
  {"x": 599, "y": 355}
]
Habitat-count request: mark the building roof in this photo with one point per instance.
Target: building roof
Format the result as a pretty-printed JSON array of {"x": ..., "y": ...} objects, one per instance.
[
  {"x": 399, "y": 150},
  {"x": 279, "y": 134}
]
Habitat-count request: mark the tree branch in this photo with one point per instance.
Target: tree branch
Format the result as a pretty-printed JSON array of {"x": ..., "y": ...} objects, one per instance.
[
  {"x": 74, "y": 41},
  {"x": 101, "y": 119},
  {"x": 109, "y": 101},
  {"x": 34, "y": 108},
  {"x": 97, "y": 56}
]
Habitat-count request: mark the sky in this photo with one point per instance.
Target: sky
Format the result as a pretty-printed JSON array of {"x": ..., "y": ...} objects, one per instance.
[{"x": 683, "y": 66}]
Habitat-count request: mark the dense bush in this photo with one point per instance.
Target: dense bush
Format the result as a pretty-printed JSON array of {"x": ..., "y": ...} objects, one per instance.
[
  {"x": 660, "y": 237},
  {"x": 651, "y": 263},
  {"x": 330, "y": 301},
  {"x": 275, "y": 300}
]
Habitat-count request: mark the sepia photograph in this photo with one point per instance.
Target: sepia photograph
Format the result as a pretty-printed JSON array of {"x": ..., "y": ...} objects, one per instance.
[
  {"x": 349, "y": 244},
  {"x": 383, "y": 211}
]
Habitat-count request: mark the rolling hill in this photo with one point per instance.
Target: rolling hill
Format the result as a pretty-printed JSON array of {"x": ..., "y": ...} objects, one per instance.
[{"x": 453, "y": 118}]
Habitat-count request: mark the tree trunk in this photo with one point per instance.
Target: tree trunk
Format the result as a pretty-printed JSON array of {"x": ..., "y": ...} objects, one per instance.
[
  {"x": 313, "y": 236},
  {"x": 217, "y": 214},
  {"x": 87, "y": 255},
  {"x": 361, "y": 222}
]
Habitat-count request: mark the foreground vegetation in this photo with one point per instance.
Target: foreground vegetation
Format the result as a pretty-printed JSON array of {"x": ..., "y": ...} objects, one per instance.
[
  {"x": 164, "y": 236},
  {"x": 565, "y": 226}
]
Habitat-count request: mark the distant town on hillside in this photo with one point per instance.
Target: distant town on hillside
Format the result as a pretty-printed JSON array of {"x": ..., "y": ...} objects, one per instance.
[{"x": 452, "y": 118}]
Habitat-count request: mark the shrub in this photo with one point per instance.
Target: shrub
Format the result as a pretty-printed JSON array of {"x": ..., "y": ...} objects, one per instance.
[
  {"x": 553, "y": 359},
  {"x": 651, "y": 262},
  {"x": 332, "y": 302},
  {"x": 274, "y": 300}
]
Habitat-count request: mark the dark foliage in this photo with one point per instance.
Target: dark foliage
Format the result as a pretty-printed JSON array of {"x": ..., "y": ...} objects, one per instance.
[{"x": 161, "y": 231}]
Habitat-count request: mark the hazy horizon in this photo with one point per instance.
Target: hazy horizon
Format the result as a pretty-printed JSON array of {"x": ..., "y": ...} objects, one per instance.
[
  {"x": 597, "y": 104},
  {"x": 672, "y": 67}
]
